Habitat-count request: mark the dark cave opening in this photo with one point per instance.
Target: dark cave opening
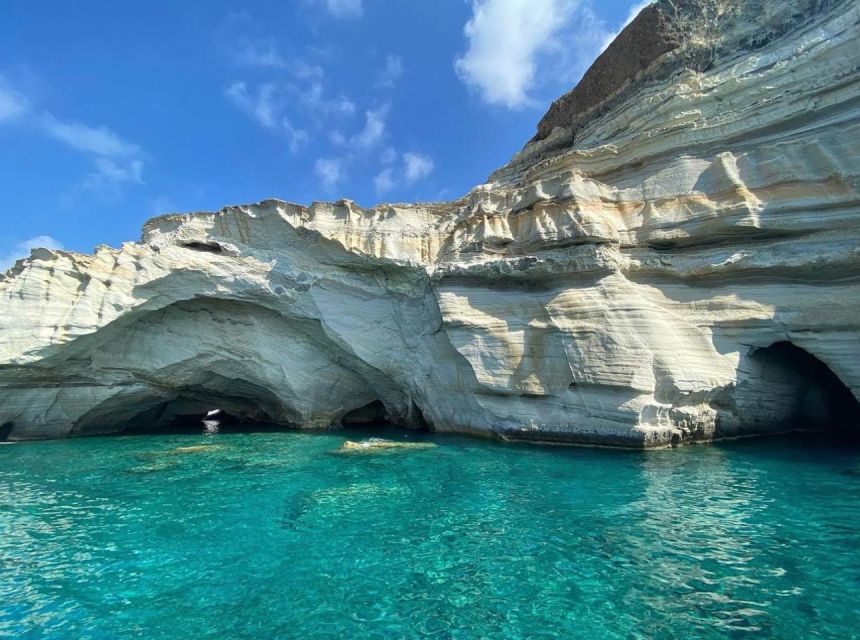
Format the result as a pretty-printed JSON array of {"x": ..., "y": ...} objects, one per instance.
[
  {"x": 815, "y": 397},
  {"x": 193, "y": 415},
  {"x": 203, "y": 424},
  {"x": 203, "y": 413},
  {"x": 370, "y": 414},
  {"x": 373, "y": 419}
]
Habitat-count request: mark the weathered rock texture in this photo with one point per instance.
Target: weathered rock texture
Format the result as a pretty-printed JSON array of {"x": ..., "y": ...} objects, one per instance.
[{"x": 674, "y": 257}]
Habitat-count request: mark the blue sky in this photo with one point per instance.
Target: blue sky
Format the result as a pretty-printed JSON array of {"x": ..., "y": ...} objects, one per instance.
[{"x": 112, "y": 112}]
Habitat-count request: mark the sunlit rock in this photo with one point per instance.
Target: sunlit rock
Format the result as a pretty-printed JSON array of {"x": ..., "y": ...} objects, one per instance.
[
  {"x": 627, "y": 279},
  {"x": 372, "y": 445},
  {"x": 197, "y": 448}
]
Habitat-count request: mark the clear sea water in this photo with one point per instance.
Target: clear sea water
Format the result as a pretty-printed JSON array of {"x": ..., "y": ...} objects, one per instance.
[{"x": 272, "y": 535}]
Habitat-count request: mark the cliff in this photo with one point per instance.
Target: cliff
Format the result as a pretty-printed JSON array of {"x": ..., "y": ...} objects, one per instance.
[{"x": 674, "y": 257}]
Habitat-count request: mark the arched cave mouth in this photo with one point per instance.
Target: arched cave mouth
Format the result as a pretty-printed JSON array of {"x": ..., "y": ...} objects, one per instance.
[
  {"x": 204, "y": 414},
  {"x": 813, "y": 396},
  {"x": 373, "y": 419},
  {"x": 212, "y": 421}
]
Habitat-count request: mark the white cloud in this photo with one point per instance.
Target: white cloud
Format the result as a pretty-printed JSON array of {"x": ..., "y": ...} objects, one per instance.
[
  {"x": 117, "y": 162},
  {"x": 343, "y": 8},
  {"x": 296, "y": 138},
  {"x": 266, "y": 109},
  {"x": 390, "y": 74},
  {"x": 509, "y": 39},
  {"x": 384, "y": 181},
  {"x": 111, "y": 175},
  {"x": 374, "y": 128},
  {"x": 100, "y": 141},
  {"x": 312, "y": 97},
  {"x": 263, "y": 52},
  {"x": 22, "y": 250},
  {"x": 267, "y": 104},
  {"x": 258, "y": 53},
  {"x": 258, "y": 106},
  {"x": 329, "y": 171},
  {"x": 12, "y": 104},
  {"x": 370, "y": 135},
  {"x": 416, "y": 167}
]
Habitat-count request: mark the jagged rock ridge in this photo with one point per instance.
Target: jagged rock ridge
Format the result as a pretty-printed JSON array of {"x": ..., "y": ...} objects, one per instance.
[{"x": 674, "y": 257}]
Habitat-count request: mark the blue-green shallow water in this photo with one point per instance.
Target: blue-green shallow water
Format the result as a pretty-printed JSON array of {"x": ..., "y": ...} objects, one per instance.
[{"x": 270, "y": 535}]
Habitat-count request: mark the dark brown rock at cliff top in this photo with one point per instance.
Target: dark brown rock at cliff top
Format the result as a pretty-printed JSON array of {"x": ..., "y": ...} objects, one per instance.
[
  {"x": 694, "y": 32},
  {"x": 646, "y": 38}
]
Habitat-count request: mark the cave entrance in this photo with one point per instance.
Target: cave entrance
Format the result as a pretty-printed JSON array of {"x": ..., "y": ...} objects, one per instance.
[
  {"x": 369, "y": 415},
  {"x": 811, "y": 395},
  {"x": 198, "y": 414},
  {"x": 210, "y": 422},
  {"x": 374, "y": 419}
]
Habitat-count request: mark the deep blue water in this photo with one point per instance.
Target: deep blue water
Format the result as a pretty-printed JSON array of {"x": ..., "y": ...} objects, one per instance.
[{"x": 272, "y": 535}]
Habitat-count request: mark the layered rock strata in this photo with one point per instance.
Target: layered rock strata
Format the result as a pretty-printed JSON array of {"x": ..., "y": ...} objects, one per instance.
[{"x": 674, "y": 257}]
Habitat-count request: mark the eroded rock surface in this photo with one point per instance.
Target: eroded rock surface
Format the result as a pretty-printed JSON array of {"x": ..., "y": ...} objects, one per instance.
[
  {"x": 376, "y": 445},
  {"x": 661, "y": 264}
]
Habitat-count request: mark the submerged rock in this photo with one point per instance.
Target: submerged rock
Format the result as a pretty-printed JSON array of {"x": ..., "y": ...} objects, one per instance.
[
  {"x": 372, "y": 445},
  {"x": 196, "y": 448},
  {"x": 673, "y": 257}
]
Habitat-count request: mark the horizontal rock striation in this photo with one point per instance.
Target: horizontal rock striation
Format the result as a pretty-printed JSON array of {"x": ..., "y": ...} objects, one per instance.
[{"x": 674, "y": 257}]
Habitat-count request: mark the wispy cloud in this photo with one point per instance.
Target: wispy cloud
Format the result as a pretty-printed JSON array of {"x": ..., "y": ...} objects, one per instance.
[
  {"x": 116, "y": 161},
  {"x": 342, "y": 8},
  {"x": 258, "y": 53},
  {"x": 370, "y": 135},
  {"x": 100, "y": 141},
  {"x": 22, "y": 250},
  {"x": 417, "y": 166},
  {"x": 12, "y": 104},
  {"x": 259, "y": 105},
  {"x": 329, "y": 171},
  {"x": 267, "y": 109},
  {"x": 508, "y": 39},
  {"x": 314, "y": 99},
  {"x": 391, "y": 72},
  {"x": 374, "y": 128},
  {"x": 384, "y": 181},
  {"x": 294, "y": 102},
  {"x": 110, "y": 176},
  {"x": 262, "y": 53},
  {"x": 414, "y": 167}
]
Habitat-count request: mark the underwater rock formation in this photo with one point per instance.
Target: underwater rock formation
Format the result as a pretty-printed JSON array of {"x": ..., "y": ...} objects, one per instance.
[{"x": 674, "y": 257}]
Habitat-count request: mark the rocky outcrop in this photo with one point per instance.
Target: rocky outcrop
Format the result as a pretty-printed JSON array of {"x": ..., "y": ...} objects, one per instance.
[{"x": 674, "y": 257}]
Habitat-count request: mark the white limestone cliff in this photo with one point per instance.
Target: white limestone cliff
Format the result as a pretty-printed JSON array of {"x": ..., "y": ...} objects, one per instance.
[{"x": 675, "y": 257}]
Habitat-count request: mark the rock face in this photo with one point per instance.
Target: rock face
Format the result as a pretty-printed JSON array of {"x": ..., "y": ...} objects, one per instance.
[{"x": 674, "y": 257}]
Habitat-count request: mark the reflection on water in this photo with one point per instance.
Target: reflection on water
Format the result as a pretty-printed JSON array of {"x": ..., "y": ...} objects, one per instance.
[{"x": 269, "y": 535}]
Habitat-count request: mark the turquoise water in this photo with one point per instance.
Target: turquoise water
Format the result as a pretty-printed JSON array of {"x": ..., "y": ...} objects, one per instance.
[{"x": 272, "y": 535}]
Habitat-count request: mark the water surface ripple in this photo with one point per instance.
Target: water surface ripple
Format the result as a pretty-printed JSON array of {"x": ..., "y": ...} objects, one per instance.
[{"x": 273, "y": 535}]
